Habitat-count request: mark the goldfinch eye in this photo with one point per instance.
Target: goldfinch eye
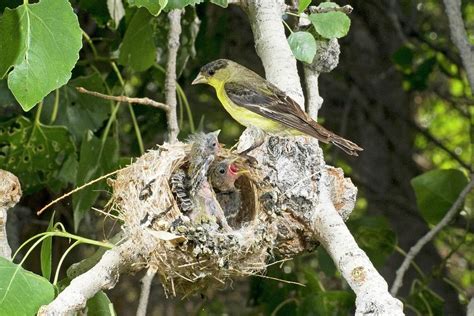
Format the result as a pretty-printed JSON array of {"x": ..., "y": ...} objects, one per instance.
[{"x": 211, "y": 72}]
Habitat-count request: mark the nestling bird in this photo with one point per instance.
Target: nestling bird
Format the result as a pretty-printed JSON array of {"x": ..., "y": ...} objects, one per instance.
[
  {"x": 223, "y": 175},
  {"x": 205, "y": 206},
  {"x": 203, "y": 152},
  {"x": 252, "y": 100}
]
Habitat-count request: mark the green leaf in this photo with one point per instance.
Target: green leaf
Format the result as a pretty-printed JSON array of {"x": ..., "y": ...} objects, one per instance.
[
  {"x": 404, "y": 57},
  {"x": 327, "y": 303},
  {"x": 436, "y": 191},
  {"x": 41, "y": 47},
  {"x": 100, "y": 305},
  {"x": 180, "y": 4},
  {"x": 153, "y": 6},
  {"x": 331, "y": 24},
  {"x": 34, "y": 152},
  {"x": 303, "y": 46},
  {"x": 302, "y": 5},
  {"x": 79, "y": 111},
  {"x": 138, "y": 50},
  {"x": 418, "y": 79},
  {"x": 96, "y": 159},
  {"x": 22, "y": 292},
  {"x": 221, "y": 3},
  {"x": 46, "y": 252},
  {"x": 375, "y": 237}
]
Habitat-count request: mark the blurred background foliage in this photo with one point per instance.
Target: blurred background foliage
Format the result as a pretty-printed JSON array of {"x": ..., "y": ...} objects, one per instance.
[{"x": 400, "y": 91}]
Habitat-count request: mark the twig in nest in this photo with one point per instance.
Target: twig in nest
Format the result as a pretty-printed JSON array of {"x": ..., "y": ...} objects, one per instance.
[{"x": 125, "y": 99}]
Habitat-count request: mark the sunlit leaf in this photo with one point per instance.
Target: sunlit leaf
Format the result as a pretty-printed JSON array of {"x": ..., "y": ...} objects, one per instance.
[
  {"x": 153, "y": 6},
  {"x": 41, "y": 47},
  {"x": 303, "y": 4},
  {"x": 436, "y": 191},
  {"x": 22, "y": 292},
  {"x": 180, "y": 4},
  {"x": 303, "y": 46},
  {"x": 330, "y": 24}
]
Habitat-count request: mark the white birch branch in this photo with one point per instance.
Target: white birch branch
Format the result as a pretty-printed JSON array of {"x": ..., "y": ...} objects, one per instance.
[
  {"x": 272, "y": 46},
  {"x": 145, "y": 291},
  {"x": 103, "y": 276},
  {"x": 170, "y": 82},
  {"x": 314, "y": 100},
  {"x": 10, "y": 194},
  {"x": 460, "y": 38},
  {"x": 370, "y": 288},
  {"x": 414, "y": 250}
]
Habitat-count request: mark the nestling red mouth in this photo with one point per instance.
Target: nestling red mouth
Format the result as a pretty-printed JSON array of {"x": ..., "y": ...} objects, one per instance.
[{"x": 233, "y": 169}]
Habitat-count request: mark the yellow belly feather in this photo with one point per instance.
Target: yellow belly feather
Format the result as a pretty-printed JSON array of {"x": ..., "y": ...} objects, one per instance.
[{"x": 247, "y": 118}]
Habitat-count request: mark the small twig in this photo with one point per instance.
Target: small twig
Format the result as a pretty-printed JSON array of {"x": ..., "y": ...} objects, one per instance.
[
  {"x": 170, "y": 82},
  {"x": 460, "y": 37},
  {"x": 125, "y": 99},
  {"x": 75, "y": 190},
  {"x": 347, "y": 9},
  {"x": 145, "y": 291},
  {"x": 414, "y": 250}
]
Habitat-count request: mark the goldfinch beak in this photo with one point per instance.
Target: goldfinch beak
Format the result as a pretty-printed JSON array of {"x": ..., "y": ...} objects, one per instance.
[{"x": 199, "y": 79}]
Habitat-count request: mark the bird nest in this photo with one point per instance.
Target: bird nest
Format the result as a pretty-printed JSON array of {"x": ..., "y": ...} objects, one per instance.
[{"x": 192, "y": 252}]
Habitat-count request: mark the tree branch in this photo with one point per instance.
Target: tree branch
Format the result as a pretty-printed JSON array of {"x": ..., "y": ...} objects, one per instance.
[
  {"x": 272, "y": 46},
  {"x": 145, "y": 291},
  {"x": 369, "y": 286},
  {"x": 414, "y": 250},
  {"x": 125, "y": 99},
  {"x": 103, "y": 276},
  {"x": 10, "y": 194},
  {"x": 170, "y": 82},
  {"x": 314, "y": 100},
  {"x": 460, "y": 38}
]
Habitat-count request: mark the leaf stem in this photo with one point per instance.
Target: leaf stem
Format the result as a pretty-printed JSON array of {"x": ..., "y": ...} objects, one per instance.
[
  {"x": 287, "y": 26},
  {"x": 130, "y": 108},
  {"x": 54, "y": 114},
  {"x": 91, "y": 44},
  {"x": 38, "y": 113}
]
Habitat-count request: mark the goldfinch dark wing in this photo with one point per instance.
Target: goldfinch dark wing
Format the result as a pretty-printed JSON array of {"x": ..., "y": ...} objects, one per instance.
[{"x": 268, "y": 101}]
